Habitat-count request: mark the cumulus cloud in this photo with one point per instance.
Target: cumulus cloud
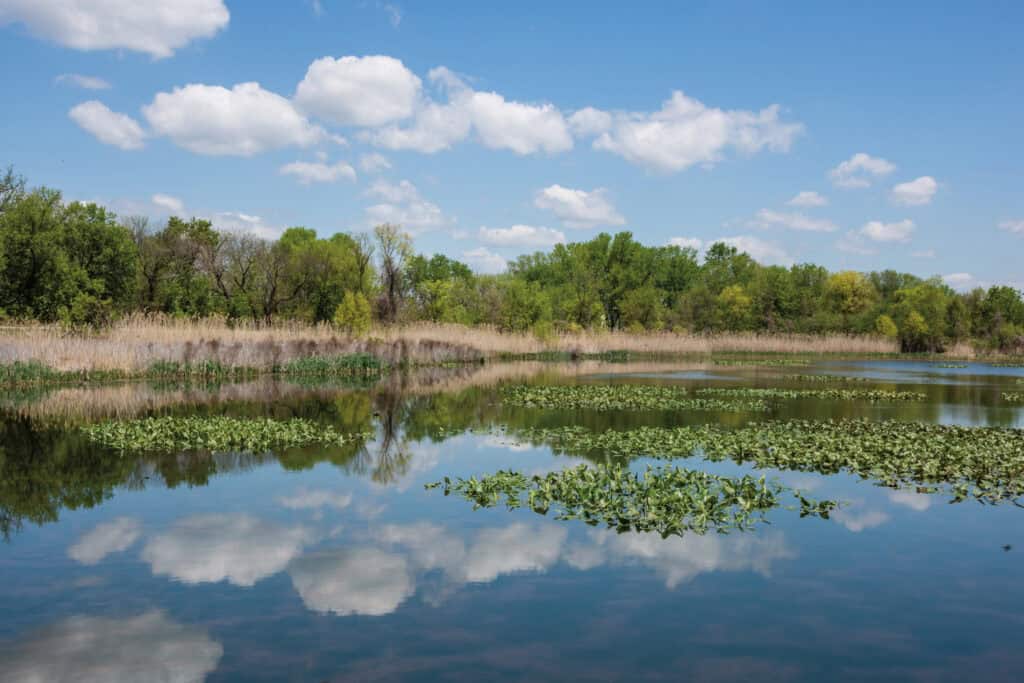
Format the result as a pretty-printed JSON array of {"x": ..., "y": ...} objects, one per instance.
[
  {"x": 483, "y": 260},
  {"x": 242, "y": 121},
  {"x": 114, "y": 536},
  {"x": 312, "y": 499},
  {"x": 685, "y": 132},
  {"x": 859, "y": 171},
  {"x": 238, "y": 548},
  {"x": 766, "y": 218},
  {"x": 962, "y": 281},
  {"x": 687, "y": 243},
  {"x": 807, "y": 198},
  {"x": 678, "y": 559},
  {"x": 898, "y": 231},
  {"x": 1016, "y": 227},
  {"x": 589, "y": 122},
  {"x": 109, "y": 127},
  {"x": 578, "y": 208},
  {"x": 84, "y": 82},
  {"x": 374, "y": 163},
  {"x": 521, "y": 236},
  {"x": 309, "y": 172},
  {"x": 155, "y": 27},
  {"x": 359, "y": 91},
  {"x": 860, "y": 521},
  {"x": 761, "y": 251},
  {"x": 244, "y": 223},
  {"x": 499, "y": 123},
  {"x": 403, "y": 205},
  {"x": 365, "y": 581},
  {"x": 168, "y": 203},
  {"x": 853, "y": 242},
  {"x": 915, "y": 192},
  {"x": 147, "y": 647}
]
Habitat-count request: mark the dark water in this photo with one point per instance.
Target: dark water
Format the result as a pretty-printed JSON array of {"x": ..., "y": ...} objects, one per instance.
[{"x": 336, "y": 564}]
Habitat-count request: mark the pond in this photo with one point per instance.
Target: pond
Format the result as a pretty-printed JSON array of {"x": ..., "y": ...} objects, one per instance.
[{"x": 334, "y": 562}]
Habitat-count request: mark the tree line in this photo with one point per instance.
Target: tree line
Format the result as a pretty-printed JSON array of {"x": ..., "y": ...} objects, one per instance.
[{"x": 79, "y": 264}]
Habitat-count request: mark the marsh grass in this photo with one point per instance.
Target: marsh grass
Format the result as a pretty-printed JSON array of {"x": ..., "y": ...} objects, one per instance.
[
  {"x": 670, "y": 501},
  {"x": 617, "y": 397}
]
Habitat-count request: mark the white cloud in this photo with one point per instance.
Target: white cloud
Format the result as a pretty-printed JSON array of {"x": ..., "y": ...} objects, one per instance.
[
  {"x": 244, "y": 223},
  {"x": 374, "y": 163},
  {"x": 685, "y": 132},
  {"x": 86, "y": 82},
  {"x": 170, "y": 204},
  {"x": 961, "y": 281},
  {"x": 359, "y": 91},
  {"x": 147, "y": 647},
  {"x": 760, "y": 250},
  {"x": 237, "y": 548},
  {"x": 578, "y": 208},
  {"x": 521, "y": 236},
  {"x": 242, "y": 121},
  {"x": 766, "y": 218},
  {"x": 916, "y": 192},
  {"x": 306, "y": 499},
  {"x": 859, "y": 170},
  {"x": 114, "y": 536},
  {"x": 807, "y": 198},
  {"x": 589, "y": 122},
  {"x": 853, "y": 242},
  {"x": 156, "y": 27},
  {"x": 403, "y": 205},
  {"x": 687, "y": 243},
  {"x": 365, "y": 581},
  {"x": 911, "y": 499},
  {"x": 483, "y": 260},
  {"x": 858, "y": 522},
  {"x": 924, "y": 253},
  {"x": 318, "y": 172},
  {"x": 394, "y": 13},
  {"x": 515, "y": 548},
  {"x": 499, "y": 123},
  {"x": 1016, "y": 227},
  {"x": 899, "y": 231},
  {"x": 109, "y": 127}
]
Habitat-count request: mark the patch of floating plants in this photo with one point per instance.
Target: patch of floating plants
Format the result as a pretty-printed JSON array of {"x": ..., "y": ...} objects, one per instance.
[
  {"x": 667, "y": 500},
  {"x": 830, "y": 378},
  {"x": 1007, "y": 364},
  {"x": 951, "y": 365},
  {"x": 828, "y": 394},
  {"x": 215, "y": 434},
  {"x": 618, "y": 397},
  {"x": 986, "y": 463},
  {"x": 1014, "y": 397},
  {"x": 768, "y": 362}
]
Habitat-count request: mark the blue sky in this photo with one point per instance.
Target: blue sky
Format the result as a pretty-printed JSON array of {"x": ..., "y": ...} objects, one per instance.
[{"x": 490, "y": 130}]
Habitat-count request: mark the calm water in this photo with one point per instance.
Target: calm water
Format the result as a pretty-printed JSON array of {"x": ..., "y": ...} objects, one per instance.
[{"x": 336, "y": 564}]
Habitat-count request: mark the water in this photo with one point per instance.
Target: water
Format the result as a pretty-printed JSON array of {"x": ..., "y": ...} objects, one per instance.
[{"x": 336, "y": 564}]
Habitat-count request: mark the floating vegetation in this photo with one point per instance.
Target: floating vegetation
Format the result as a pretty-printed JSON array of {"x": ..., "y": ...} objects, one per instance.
[
  {"x": 986, "y": 463},
  {"x": 30, "y": 373},
  {"x": 215, "y": 434},
  {"x": 1014, "y": 397},
  {"x": 617, "y": 397},
  {"x": 830, "y": 378},
  {"x": 951, "y": 365},
  {"x": 767, "y": 362},
  {"x": 827, "y": 394},
  {"x": 667, "y": 500},
  {"x": 1007, "y": 364}
]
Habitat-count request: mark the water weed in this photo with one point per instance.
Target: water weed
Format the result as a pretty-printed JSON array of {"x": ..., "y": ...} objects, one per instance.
[
  {"x": 767, "y": 362},
  {"x": 986, "y": 463},
  {"x": 667, "y": 500},
  {"x": 617, "y": 397},
  {"x": 830, "y": 378},
  {"x": 826, "y": 394},
  {"x": 1013, "y": 397},
  {"x": 214, "y": 434}
]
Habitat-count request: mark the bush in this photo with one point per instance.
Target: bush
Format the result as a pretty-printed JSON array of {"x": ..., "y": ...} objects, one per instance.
[
  {"x": 87, "y": 311},
  {"x": 353, "y": 314},
  {"x": 885, "y": 326}
]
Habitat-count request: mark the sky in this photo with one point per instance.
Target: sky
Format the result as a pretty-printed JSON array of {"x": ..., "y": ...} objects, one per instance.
[{"x": 854, "y": 135}]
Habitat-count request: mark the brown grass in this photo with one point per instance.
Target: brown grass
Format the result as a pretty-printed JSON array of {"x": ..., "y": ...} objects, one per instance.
[{"x": 135, "y": 343}]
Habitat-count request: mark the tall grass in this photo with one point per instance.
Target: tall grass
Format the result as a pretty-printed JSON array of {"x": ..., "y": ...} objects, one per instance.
[{"x": 137, "y": 343}]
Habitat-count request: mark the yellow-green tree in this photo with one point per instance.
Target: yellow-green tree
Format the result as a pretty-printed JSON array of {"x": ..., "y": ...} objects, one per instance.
[{"x": 353, "y": 314}]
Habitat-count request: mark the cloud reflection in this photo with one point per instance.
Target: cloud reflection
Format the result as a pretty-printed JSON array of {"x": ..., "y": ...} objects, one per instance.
[
  {"x": 114, "y": 536},
  {"x": 365, "y": 581},
  {"x": 148, "y": 647}
]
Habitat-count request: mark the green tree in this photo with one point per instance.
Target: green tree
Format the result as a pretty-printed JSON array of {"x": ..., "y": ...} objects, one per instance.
[{"x": 353, "y": 314}]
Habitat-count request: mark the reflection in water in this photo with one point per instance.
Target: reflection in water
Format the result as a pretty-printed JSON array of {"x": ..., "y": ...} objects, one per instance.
[
  {"x": 109, "y": 537},
  {"x": 314, "y": 499},
  {"x": 149, "y": 647},
  {"x": 911, "y": 499},
  {"x": 857, "y": 521},
  {"x": 365, "y": 581},
  {"x": 238, "y": 548}
]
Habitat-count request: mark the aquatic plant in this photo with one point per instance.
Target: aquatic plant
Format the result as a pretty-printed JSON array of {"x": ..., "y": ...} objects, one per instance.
[
  {"x": 827, "y": 394},
  {"x": 1014, "y": 397},
  {"x": 767, "y": 362},
  {"x": 986, "y": 463},
  {"x": 1007, "y": 364},
  {"x": 951, "y": 365},
  {"x": 215, "y": 434},
  {"x": 617, "y": 397},
  {"x": 667, "y": 500},
  {"x": 348, "y": 364},
  {"x": 831, "y": 378},
  {"x": 201, "y": 370}
]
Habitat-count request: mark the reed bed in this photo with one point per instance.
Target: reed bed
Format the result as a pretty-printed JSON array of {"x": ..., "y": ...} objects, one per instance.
[{"x": 138, "y": 342}]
